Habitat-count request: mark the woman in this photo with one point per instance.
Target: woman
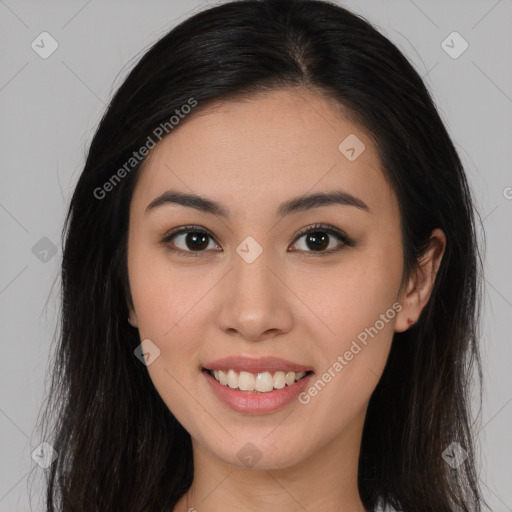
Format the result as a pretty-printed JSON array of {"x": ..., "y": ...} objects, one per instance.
[{"x": 274, "y": 204}]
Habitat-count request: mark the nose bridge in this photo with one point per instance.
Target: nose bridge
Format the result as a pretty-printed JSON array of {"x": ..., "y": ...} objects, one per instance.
[
  {"x": 254, "y": 303},
  {"x": 251, "y": 273}
]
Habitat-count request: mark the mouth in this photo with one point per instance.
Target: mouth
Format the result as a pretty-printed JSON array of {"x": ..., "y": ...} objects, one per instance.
[
  {"x": 251, "y": 385},
  {"x": 257, "y": 383}
]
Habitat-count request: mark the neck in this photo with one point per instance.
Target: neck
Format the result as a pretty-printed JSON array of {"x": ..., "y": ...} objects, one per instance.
[{"x": 324, "y": 481}]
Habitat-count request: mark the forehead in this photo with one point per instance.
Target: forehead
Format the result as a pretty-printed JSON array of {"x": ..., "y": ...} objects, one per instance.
[{"x": 255, "y": 151}]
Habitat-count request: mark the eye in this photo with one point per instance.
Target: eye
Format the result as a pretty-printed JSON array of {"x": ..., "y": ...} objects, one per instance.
[
  {"x": 318, "y": 238},
  {"x": 191, "y": 238}
]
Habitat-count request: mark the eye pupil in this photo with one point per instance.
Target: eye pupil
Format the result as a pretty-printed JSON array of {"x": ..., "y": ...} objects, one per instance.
[
  {"x": 318, "y": 239},
  {"x": 196, "y": 240}
]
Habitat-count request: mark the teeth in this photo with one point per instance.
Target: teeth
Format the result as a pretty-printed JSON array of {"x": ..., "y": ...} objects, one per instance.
[
  {"x": 263, "y": 382},
  {"x": 279, "y": 380},
  {"x": 246, "y": 381},
  {"x": 232, "y": 379},
  {"x": 223, "y": 378}
]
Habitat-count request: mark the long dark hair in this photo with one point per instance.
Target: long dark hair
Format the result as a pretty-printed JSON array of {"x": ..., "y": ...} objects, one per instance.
[{"x": 119, "y": 446}]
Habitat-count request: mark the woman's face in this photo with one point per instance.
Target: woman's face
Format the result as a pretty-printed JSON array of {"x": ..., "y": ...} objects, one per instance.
[{"x": 253, "y": 287}]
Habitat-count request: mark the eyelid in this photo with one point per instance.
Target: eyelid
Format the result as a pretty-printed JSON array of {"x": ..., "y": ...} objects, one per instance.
[
  {"x": 186, "y": 229},
  {"x": 183, "y": 230},
  {"x": 329, "y": 229},
  {"x": 345, "y": 240}
]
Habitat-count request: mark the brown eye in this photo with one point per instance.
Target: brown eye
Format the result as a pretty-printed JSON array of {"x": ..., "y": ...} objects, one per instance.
[
  {"x": 196, "y": 241},
  {"x": 188, "y": 241},
  {"x": 317, "y": 241},
  {"x": 322, "y": 240}
]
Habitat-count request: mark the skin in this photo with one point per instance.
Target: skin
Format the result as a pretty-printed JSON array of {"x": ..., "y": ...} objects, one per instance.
[{"x": 251, "y": 155}]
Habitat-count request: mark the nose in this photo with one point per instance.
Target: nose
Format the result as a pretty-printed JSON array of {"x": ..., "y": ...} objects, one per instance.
[{"x": 255, "y": 301}]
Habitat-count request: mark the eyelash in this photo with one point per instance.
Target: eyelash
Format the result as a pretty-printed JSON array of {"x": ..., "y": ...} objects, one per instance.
[{"x": 324, "y": 228}]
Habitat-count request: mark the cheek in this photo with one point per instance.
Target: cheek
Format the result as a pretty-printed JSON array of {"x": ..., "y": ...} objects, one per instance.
[
  {"x": 170, "y": 318},
  {"x": 163, "y": 297},
  {"x": 357, "y": 321},
  {"x": 167, "y": 306},
  {"x": 352, "y": 296}
]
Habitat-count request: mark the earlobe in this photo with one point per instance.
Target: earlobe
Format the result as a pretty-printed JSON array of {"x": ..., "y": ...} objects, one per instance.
[
  {"x": 421, "y": 282},
  {"x": 409, "y": 303},
  {"x": 132, "y": 318}
]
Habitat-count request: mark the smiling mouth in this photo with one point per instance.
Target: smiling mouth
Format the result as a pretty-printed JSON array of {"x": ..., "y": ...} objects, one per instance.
[{"x": 264, "y": 382}]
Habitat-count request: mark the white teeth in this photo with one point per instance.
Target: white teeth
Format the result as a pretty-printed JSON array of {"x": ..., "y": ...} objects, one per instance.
[
  {"x": 246, "y": 381},
  {"x": 232, "y": 379},
  {"x": 263, "y": 382},
  {"x": 279, "y": 380},
  {"x": 223, "y": 378},
  {"x": 290, "y": 378}
]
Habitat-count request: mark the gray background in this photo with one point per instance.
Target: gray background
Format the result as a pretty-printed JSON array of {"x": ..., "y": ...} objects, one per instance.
[{"x": 50, "y": 109}]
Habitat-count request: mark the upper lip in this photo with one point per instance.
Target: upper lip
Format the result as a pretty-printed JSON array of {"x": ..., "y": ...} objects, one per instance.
[{"x": 256, "y": 365}]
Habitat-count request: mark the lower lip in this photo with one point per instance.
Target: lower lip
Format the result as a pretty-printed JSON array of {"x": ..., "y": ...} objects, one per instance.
[{"x": 254, "y": 402}]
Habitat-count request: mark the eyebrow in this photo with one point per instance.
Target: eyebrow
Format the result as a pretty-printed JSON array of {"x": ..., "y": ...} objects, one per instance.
[{"x": 297, "y": 204}]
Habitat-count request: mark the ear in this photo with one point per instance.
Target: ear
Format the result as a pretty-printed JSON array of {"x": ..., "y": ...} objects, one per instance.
[
  {"x": 132, "y": 317},
  {"x": 421, "y": 282}
]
